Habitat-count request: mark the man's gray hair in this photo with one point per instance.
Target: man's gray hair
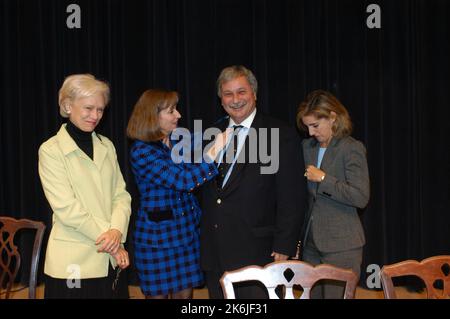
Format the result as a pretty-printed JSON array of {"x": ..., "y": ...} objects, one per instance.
[{"x": 233, "y": 72}]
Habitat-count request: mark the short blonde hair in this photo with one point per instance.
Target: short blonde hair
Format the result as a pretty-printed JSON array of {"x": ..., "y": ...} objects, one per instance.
[
  {"x": 320, "y": 104},
  {"x": 80, "y": 85},
  {"x": 144, "y": 120}
]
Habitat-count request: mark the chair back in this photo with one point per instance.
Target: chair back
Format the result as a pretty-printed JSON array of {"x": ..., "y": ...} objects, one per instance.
[
  {"x": 432, "y": 271},
  {"x": 289, "y": 274},
  {"x": 10, "y": 257}
]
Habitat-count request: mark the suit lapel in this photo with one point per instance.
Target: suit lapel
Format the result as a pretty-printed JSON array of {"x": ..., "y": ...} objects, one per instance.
[
  {"x": 100, "y": 152},
  {"x": 69, "y": 148},
  {"x": 243, "y": 158},
  {"x": 311, "y": 153},
  {"x": 329, "y": 155},
  {"x": 241, "y": 162},
  {"x": 222, "y": 125}
]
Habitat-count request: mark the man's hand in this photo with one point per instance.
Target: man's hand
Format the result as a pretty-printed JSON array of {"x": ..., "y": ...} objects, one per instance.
[{"x": 278, "y": 256}]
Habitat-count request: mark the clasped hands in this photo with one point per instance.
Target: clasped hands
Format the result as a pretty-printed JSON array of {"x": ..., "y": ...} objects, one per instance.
[
  {"x": 109, "y": 243},
  {"x": 314, "y": 174}
]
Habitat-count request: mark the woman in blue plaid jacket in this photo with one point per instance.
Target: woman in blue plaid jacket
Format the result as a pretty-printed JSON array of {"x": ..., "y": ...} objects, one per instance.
[{"x": 166, "y": 234}]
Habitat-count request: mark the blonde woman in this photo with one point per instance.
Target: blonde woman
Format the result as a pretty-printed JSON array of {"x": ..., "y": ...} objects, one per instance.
[
  {"x": 338, "y": 183},
  {"x": 83, "y": 183}
]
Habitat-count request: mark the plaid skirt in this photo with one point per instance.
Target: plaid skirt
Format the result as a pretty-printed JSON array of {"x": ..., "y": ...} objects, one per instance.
[{"x": 168, "y": 270}]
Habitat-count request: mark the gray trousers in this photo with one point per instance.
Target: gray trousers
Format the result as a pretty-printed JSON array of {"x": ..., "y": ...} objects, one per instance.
[{"x": 350, "y": 259}]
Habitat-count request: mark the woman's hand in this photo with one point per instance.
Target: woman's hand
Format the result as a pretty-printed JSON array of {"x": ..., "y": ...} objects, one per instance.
[
  {"x": 110, "y": 241},
  {"x": 121, "y": 257},
  {"x": 314, "y": 174},
  {"x": 219, "y": 143}
]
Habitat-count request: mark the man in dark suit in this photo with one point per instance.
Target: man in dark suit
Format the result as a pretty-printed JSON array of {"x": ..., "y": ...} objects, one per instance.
[{"x": 252, "y": 213}]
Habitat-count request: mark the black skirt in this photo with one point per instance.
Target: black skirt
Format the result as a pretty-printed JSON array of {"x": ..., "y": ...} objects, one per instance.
[{"x": 95, "y": 288}]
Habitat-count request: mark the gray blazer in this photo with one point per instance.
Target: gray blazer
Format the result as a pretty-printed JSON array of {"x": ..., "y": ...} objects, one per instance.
[{"x": 332, "y": 204}]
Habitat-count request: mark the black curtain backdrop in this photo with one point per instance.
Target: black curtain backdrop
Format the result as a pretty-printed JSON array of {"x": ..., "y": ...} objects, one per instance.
[{"x": 394, "y": 82}]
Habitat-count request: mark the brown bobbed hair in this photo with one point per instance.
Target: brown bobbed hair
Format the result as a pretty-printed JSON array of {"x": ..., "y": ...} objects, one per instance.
[
  {"x": 144, "y": 121},
  {"x": 320, "y": 104}
]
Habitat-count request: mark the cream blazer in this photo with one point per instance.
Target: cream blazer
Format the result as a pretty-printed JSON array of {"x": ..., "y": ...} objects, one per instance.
[{"x": 87, "y": 198}]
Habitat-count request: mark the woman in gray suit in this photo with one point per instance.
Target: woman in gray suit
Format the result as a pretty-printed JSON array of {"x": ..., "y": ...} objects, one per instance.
[{"x": 338, "y": 183}]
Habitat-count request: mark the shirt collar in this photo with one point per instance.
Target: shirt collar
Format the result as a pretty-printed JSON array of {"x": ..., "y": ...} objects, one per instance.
[
  {"x": 67, "y": 143},
  {"x": 247, "y": 123}
]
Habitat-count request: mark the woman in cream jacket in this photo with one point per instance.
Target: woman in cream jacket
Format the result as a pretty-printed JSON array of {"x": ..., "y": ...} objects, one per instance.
[{"x": 83, "y": 183}]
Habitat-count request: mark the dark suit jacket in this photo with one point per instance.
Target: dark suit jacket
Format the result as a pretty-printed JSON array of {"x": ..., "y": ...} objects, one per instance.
[
  {"x": 254, "y": 214},
  {"x": 333, "y": 203}
]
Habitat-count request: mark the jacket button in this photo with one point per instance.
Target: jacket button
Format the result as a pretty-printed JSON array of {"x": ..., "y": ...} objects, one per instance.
[
  {"x": 216, "y": 226},
  {"x": 219, "y": 201},
  {"x": 183, "y": 213}
]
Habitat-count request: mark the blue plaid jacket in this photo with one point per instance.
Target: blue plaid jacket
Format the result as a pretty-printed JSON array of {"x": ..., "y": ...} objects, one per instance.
[{"x": 165, "y": 185}]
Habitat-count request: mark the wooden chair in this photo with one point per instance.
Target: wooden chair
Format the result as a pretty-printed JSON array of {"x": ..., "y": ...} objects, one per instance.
[
  {"x": 10, "y": 255},
  {"x": 288, "y": 274},
  {"x": 430, "y": 270}
]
